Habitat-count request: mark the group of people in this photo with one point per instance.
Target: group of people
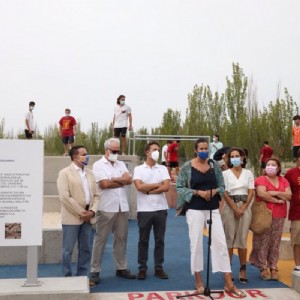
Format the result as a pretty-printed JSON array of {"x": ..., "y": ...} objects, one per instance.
[
  {"x": 67, "y": 124},
  {"x": 202, "y": 183},
  {"x": 99, "y": 196},
  {"x": 222, "y": 185}
]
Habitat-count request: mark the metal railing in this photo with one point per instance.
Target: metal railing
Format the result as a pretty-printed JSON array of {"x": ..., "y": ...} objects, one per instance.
[{"x": 153, "y": 137}]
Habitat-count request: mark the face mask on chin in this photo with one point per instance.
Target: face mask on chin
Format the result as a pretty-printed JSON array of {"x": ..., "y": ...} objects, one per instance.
[{"x": 112, "y": 157}]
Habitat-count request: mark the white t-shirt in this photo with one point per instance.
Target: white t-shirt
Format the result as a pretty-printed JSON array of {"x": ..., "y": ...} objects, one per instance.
[
  {"x": 156, "y": 174},
  {"x": 111, "y": 200},
  {"x": 238, "y": 186},
  {"x": 29, "y": 118},
  {"x": 121, "y": 116},
  {"x": 163, "y": 152},
  {"x": 213, "y": 147}
]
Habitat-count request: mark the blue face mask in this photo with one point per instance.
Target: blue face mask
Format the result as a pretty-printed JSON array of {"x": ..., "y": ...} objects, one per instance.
[
  {"x": 203, "y": 155},
  {"x": 86, "y": 161},
  {"x": 235, "y": 161}
]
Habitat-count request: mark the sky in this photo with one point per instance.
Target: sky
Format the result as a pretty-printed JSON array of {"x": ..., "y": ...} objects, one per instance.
[{"x": 83, "y": 54}]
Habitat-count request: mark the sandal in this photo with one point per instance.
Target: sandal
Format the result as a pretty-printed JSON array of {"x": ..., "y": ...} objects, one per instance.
[
  {"x": 274, "y": 274},
  {"x": 199, "y": 288},
  {"x": 235, "y": 291},
  {"x": 265, "y": 275},
  {"x": 242, "y": 279}
]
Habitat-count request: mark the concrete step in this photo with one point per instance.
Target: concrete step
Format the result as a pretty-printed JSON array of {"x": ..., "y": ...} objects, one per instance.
[
  {"x": 62, "y": 288},
  {"x": 296, "y": 281},
  {"x": 285, "y": 249},
  {"x": 51, "y": 203}
]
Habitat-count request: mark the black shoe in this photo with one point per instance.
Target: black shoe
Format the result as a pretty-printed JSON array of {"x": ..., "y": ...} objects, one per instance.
[
  {"x": 161, "y": 274},
  {"x": 94, "y": 278},
  {"x": 142, "y": 274},
  {"x": 125, "y": 274}
]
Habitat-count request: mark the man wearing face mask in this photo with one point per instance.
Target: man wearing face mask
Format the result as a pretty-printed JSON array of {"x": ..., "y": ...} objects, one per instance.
[
  {"x": 151, "y": 181},
  {"x": 29, "y": 124},
  {"x": 112, "y": 177},
  {"x": 79, "y": 201},
  {"x": 67, "y": 129}
]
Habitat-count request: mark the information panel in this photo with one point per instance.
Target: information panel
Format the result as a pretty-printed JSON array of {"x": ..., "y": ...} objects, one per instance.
[{"x": 21, "y": 192}]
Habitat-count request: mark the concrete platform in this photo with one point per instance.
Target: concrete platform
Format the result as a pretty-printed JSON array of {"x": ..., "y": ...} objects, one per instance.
[
  {"x": 69, "y": 288},
  {"x": 296, "y": 281},
  {"x": 270, "y": 294},
  {"x": 285, "y": 249}
]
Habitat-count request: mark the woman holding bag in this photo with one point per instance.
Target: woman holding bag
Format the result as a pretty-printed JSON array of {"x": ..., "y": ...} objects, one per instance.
[{"x": 275, "y": 191}]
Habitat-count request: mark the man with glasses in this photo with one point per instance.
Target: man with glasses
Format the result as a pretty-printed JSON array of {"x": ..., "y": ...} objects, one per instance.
[
  {"x": 112, "y": 177},
  {"x": 79, "y": 198}
]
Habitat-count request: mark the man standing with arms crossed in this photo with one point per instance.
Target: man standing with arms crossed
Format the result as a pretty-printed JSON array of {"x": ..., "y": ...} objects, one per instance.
[
  {"x": 112, "y": 177},
  {"x": 152, "y": 181}
]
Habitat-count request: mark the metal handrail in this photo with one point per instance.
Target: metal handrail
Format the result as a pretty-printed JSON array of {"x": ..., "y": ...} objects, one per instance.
[{"x": 157, "y": 137}]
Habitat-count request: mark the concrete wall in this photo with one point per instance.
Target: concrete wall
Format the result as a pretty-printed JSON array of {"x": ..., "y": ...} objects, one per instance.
[{"x": 53, "y": 164}]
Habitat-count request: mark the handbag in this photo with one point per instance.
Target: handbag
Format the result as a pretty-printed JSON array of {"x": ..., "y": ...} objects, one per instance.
[
  {"x": 261, "y": 217},
  {"x": 181, "y": 211}
]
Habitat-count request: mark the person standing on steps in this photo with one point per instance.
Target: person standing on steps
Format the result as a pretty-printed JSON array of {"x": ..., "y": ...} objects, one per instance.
[{"x": 122, "y": 114}]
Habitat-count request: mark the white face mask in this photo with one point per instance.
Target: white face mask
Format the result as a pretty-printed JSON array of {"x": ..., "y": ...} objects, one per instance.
[
  {"x": 122, "y": 102},
  {"x": 113, "y": 157},
  {"x": 67, "y": 114},
  {"x": 31, "y": 107},
  {"x": 155, "y": 155}
]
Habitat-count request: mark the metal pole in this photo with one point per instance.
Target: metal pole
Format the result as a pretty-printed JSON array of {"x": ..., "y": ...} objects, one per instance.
[{"x": 32, "y": 267}]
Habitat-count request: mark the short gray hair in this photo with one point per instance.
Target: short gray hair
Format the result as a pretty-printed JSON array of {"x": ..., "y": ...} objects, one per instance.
[{"x": 108, "y": 142}]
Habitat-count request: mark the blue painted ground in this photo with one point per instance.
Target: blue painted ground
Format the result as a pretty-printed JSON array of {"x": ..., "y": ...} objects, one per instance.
[{"x": 177, "y": 265}]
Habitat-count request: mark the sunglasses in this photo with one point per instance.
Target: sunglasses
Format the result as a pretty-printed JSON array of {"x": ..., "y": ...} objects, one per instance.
[{"x": 114, "y": 151}]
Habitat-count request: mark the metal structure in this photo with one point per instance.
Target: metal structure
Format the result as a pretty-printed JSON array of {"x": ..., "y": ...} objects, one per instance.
[{"x": 152, "y": 137}]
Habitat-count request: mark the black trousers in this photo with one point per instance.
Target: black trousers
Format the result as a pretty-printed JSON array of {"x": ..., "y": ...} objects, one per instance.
[{"x": 147, "y": 220}]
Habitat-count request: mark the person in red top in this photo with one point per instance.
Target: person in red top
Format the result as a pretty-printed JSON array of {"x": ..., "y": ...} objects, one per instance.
[
  {"x": 67, "y": 129},
  {"x": 296, "y": 136},
  {"x": 275, "y": 191},
  {"x": 265, "y": 153},
  {"x": 173, "y": 156},
  {"x": 293, "y": 177}
]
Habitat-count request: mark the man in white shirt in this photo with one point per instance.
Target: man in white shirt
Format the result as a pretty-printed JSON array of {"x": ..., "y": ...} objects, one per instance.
[
  {"x": 164, "y": 153},
  {"x": 79, "y": 198},
  {"x": 152, "y": 181},
  {"x": 122, "y": 114},
  {"x": 29, "y": 124},
  {"x": 112, "y": 177}
]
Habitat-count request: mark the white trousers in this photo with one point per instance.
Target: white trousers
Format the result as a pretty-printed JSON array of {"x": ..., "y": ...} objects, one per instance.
[{"x": 196, "y": 220}]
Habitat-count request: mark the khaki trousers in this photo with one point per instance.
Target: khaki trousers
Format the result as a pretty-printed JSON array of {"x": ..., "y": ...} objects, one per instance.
[{"x": 107, "y": 222}]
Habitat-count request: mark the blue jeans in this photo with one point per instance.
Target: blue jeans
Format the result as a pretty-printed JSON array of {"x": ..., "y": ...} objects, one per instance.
[{"x": 71, "y": 235}]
